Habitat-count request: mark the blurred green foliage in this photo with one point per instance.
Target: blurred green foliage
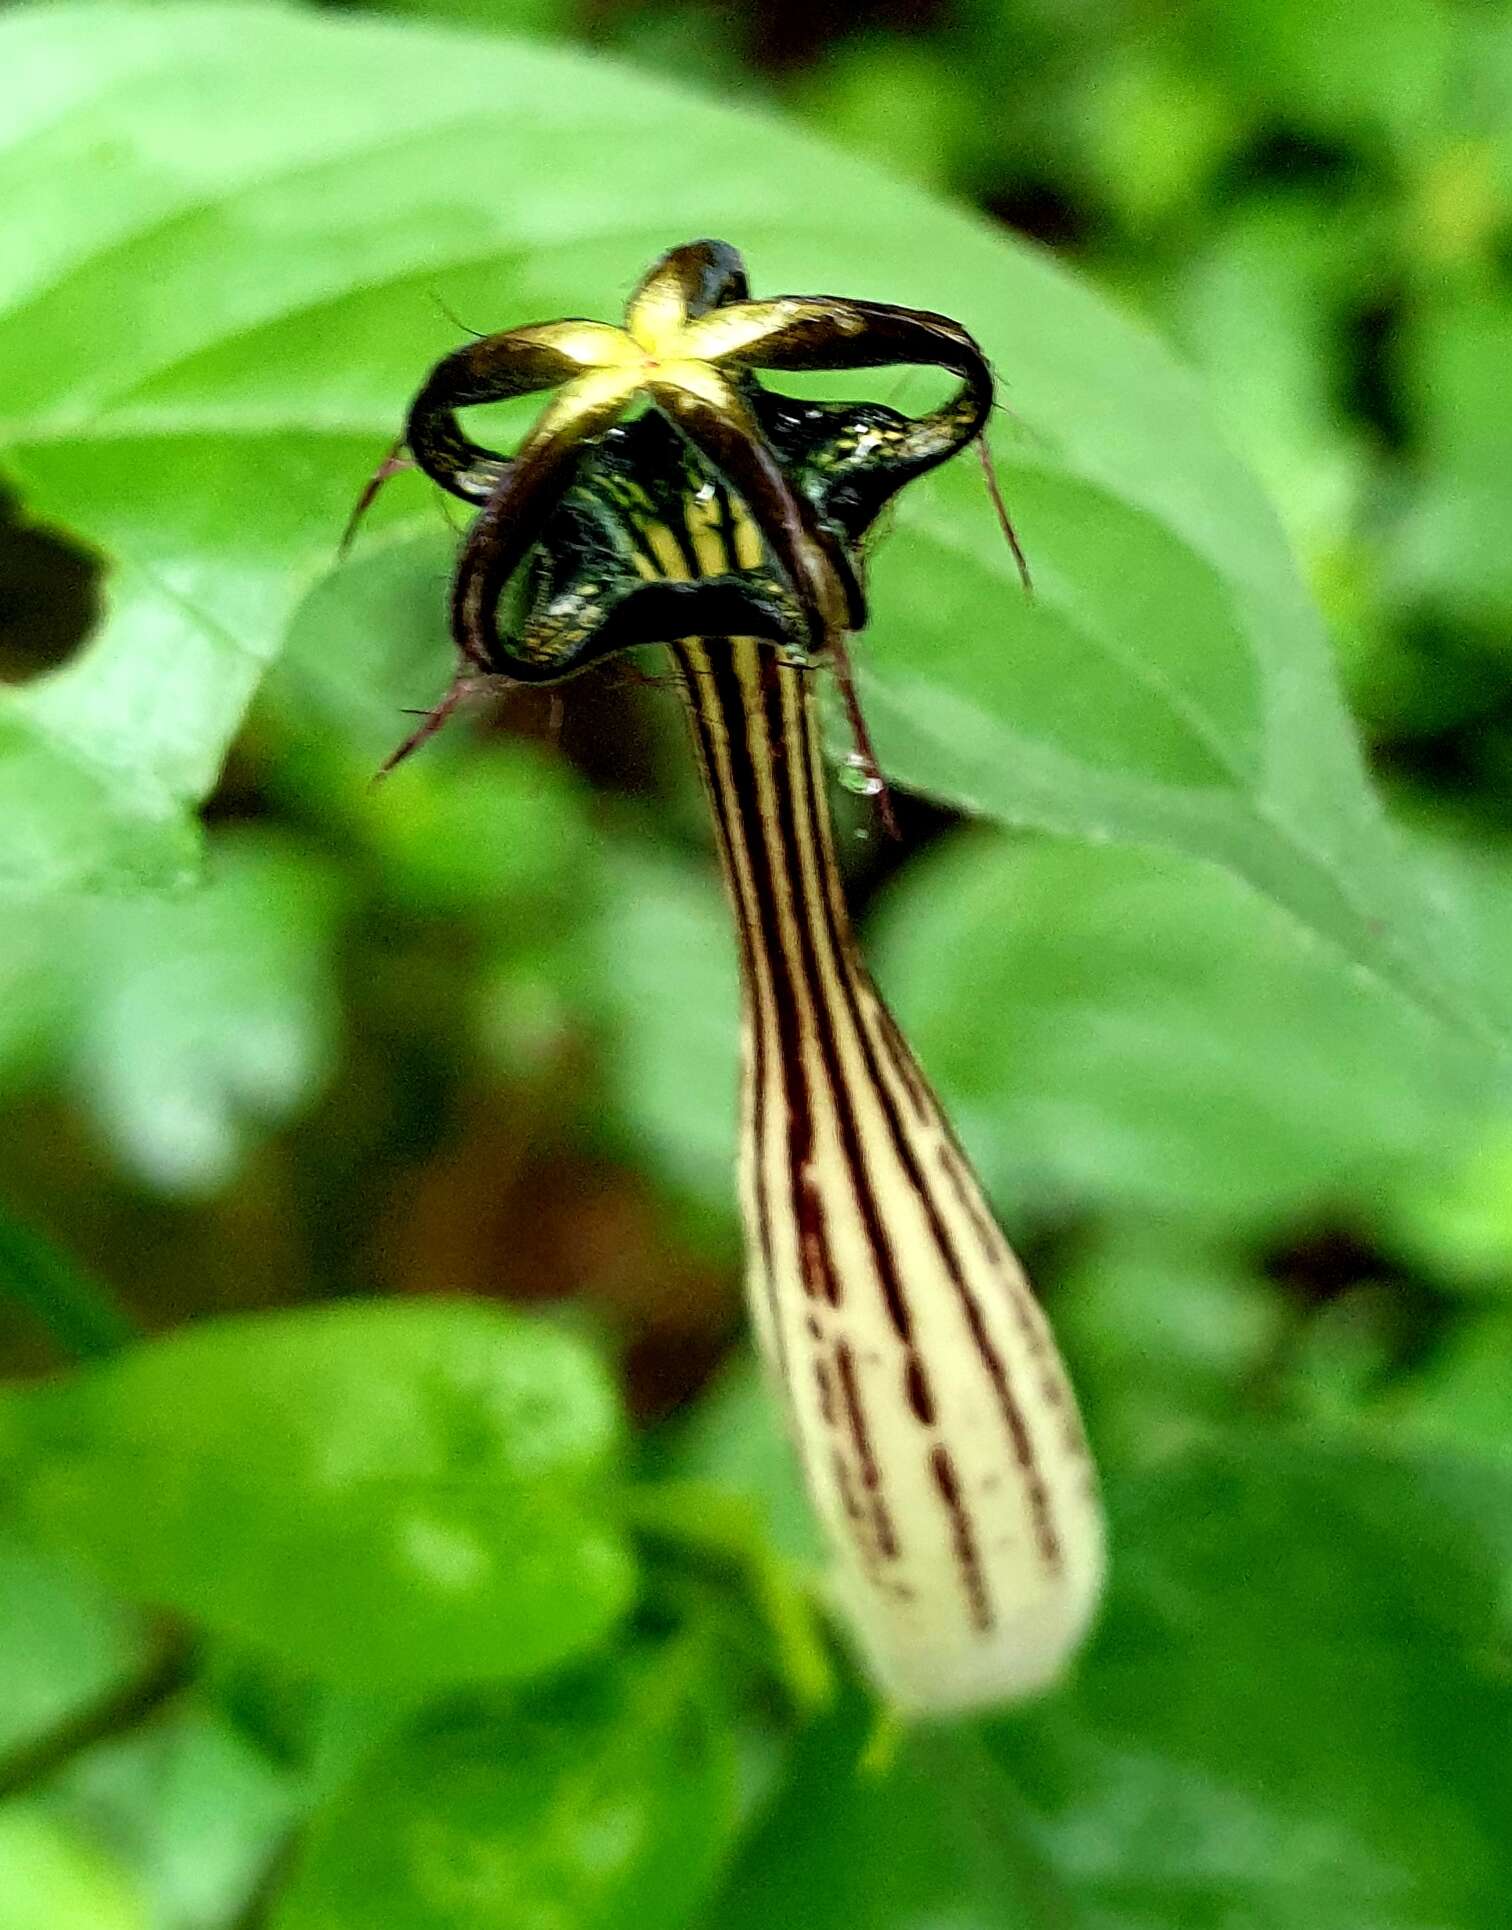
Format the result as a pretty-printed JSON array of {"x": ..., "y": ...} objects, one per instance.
[{"x": 314, "y": 1615}]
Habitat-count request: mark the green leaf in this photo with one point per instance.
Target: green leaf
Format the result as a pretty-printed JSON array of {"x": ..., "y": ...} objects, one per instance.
[
  {"x": 1157, "y": 127},
  {"x": 502, "y": 824},
  {"x": 893, "y": 98},
  {"x": 935, "y": 1836},
  {"x": 601, "y": 1803},
  {"x": 64, "y": 1644},
  {"x": 80, "y": 1312},
  {"x": 210, "y": 1016},
  {"x": 733, "y": 1440},
  {"x": 1260, "y": 311},
  {"x": 188, "y": 1025},
  {"x": 501, "y": 829},
  {"x": 1293, "y": 1712},
  {"x": 1372, "y": 77},
  {"x": 196, "y": 1813},
  {"x": 1143, "y": 695},
  {"x": 1344, "y": 1350},
  {"x": 53, "y": 1878},
  {"x": 1162, "y": 1338},
  {"x": 32, "y": 1002},
  {"x": 1169, "y": 683},
  {"x": 712, "y": 1526},
  {"x": 388, "y": 1494},
  {"x": 361, "y": 648},
  {"x": 1461, "y": 1398},
  {"x": 1456, "y": 1223},
  {"x": 1454, "y": 359},
  {"x": 507, "y": 16},
  {"x": 1130, "y": 1028},
  {"x": 659, "y": 974}
]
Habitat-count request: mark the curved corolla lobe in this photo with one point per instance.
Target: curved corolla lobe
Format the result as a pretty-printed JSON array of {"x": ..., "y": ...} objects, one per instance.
[
  {"x": 851, "y": 458},
  {"x": 596, "y": 581},
  {"x": 519, "y": 507},
  {"x": 827, "y": 333},
  {"x": 567, "y": 633},
  {"x": 715, "y": 418},
  {"x": 587, "y": 595},
  {"x": 685, "y": 283},
  {"x": 690, "y": 344},
  {"x": 832, "y": 332},
  {"x": 517, "y": 361}
]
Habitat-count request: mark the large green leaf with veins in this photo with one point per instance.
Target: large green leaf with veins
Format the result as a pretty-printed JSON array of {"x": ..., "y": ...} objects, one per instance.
[{"x": 228, "y": 229}]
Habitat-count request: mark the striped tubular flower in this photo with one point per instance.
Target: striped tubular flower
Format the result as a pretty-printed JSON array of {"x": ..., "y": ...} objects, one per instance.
[{"x": 937, "y": 1433}]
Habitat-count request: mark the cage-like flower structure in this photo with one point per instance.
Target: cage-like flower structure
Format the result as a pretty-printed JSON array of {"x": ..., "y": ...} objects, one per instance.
[{"x": 937, "y": 1432}]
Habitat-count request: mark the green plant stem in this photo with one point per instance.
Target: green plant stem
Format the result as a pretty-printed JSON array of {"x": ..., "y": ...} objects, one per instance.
[
  {"x": 125, "y": 1708},
  {"x": 80, "y": 1313},
  {"x": 713, "y": 1528}
]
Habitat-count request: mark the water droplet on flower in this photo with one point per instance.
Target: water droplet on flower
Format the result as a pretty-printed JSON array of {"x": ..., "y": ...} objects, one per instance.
[{"x": 859, "y": 775}]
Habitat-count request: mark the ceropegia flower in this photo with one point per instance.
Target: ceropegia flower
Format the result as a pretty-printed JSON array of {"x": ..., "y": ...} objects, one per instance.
[{"x": 937, "y": 1433}]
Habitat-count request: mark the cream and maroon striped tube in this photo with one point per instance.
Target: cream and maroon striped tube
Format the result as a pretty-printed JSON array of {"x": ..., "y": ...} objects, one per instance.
[{"x": 937, "y": 1431}]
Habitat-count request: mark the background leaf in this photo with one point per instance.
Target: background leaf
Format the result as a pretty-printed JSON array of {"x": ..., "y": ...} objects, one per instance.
[
  {"x": 934, "y": 1836},
  {"x": 661, "y": 979},
  {"x": 196, "y": 1811},
  {"x": 1288, "y": 1714},
  {"x": 81, "y": 1313},
  {"x": 385, "y": 1494},
  {"x": 53, "y": 1878},
  {"x": 1128, "y": 1028},
  {"x": 64, "y": 1643},
  {"x": 1286, "y": 1717},
  {"x": 1452, "y": 359},
  {"x": 191, "y": 1025},
  {"x": 602, "y": 1803},
  {"x": 208, "y": 455}
]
